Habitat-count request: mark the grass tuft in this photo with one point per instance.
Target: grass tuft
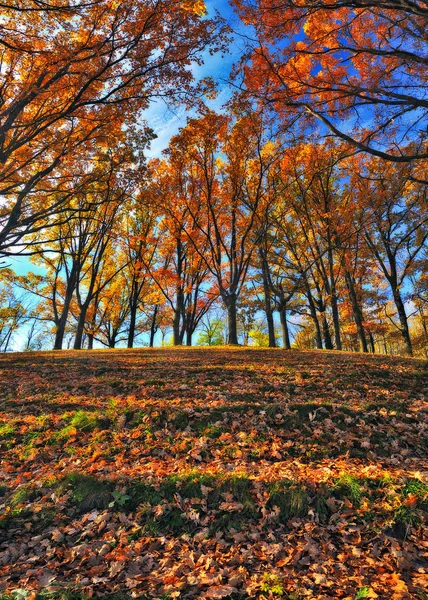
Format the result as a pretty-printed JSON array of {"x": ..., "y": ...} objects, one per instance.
[
  {"x": 290, "y": 498},
  {"x": 348, "y": 487},
  {"x": 87, "y": 492}
]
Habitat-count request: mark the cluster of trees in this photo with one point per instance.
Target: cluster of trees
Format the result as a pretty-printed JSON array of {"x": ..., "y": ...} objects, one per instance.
[
  {"x": 256, "y": 212},
  {"x": 75, "y": 76}
]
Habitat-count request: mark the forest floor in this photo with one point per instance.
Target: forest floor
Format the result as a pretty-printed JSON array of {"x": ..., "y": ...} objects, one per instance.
[{"x": 213, "y": 473}]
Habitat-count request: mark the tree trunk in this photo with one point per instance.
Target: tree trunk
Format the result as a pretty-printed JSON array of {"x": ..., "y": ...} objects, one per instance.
[
  {"x": 336, "y": 322},
  {"x": 314, "y": 317},
  {"x": 178, "y": 333},
  {"x": 8, "y": 338},
  {"x": 80, "y": 327},
  {"x": 326, "y": 331},
  {"x": 270, "y": 324},
  {"x": 403, "y": 321},
  {"x": 90, "y": 341},
  {"x": 356, "y": 311},
  {"x": 111, "y": 337},
  {"x": 372, "y": 344},
  {"x": 232, "y": 321},
  {"x": 132, "y": 323},
  {"x": 188, "y": 338},
  {"x": 333, "y": 295},
  {"x": 153, "y": 327},
  {"x": 268, "y": 302},
  {"x": 284, "y": 329},
  {"x": 60, "y": 330},
  {"x": 176, "y": 328}
]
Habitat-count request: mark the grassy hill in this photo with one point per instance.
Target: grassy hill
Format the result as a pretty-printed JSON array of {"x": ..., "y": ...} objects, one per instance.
[{"x": 224, "y": 473}]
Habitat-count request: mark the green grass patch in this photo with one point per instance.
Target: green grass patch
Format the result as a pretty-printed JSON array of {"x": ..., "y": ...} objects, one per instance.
[
  {"x": 291, "y": 499},
  {"x": 7, "y": 430},
  {"x": 404, "y": 518},
  {"x": 87, "y": 492},
  {"x": 419, "y": 489},
  {"x": 348, "y": 487},
  {"x": 86, "y": 421}
]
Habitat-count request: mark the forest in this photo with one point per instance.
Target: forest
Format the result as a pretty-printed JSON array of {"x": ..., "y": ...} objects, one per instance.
[
  {"x": 293, "y": 214},
  {"x": 213, "y": 299}
]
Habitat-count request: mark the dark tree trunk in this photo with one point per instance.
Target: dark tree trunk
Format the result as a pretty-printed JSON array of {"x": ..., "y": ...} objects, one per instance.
[
  {"x": 357, "y": 312},
  {"x": 270, "y": 324},
  {"x": 403, "y": 321},
  {"x": 111, "y": 337},
  {"x": 318, "y": 336},
  {"x": 179, "y": 296},
  {"x": 393, "y": 280},
  {"x": 326, "y": 331},
  {"x": 176, "y": 329},
  {"x": 336, "y": 322},
  {"x": 90, "y": 341},
  {"x": 153, "y": 327},
  {"x": 372, "y": 344},
  {"x": 132, "y": 324},
  {"x": 80, "y": 327},
  {"x": 60, "y": 330},
  {"x": 314, "y": 317},
  {"x": 333, "y": 296},
  {"x": 178, "y": 332},
  {"x": 268, "y": 301},
  {"x": 284, "y": 329},
  {"x": 8, "y": 338},
  {"x": 232, "y": 321},
  {"x": 188, "y": 338}
]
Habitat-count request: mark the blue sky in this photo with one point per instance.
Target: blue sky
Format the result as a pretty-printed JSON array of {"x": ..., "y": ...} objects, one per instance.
[{"x": 166, "y": 122}]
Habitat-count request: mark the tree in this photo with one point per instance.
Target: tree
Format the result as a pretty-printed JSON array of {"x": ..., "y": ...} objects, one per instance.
[
  {"x": 36, "y": 335},
  {"x": 75, "y": 247},
  {"x": 225, "y": 160},
  {"x": 312, "y": 227},
  {"x": 99, "y": 268},
  {"x": 396, "y": 233},
  {"x": 14, "y": 310},
  {"x": 107, "y": 316},
  {"x": 356, "y": 67},
  {"x": 180, "y": 271},
  {"x": 77, "y": 73},
  {"x": 212, "y": 331},
  {"x": 260, "y": 335},
  {"x": 138, "y": 226}
]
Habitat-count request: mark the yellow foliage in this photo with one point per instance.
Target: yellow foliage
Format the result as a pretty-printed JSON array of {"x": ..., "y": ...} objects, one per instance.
[{"x": 196, "y": 7}]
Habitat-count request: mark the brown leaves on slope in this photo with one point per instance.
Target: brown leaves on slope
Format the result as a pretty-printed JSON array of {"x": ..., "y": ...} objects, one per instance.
[{"x": 213, "y": 473}]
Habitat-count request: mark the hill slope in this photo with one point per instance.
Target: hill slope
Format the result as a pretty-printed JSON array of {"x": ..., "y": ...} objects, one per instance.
[{"x": 224, "y": 473}]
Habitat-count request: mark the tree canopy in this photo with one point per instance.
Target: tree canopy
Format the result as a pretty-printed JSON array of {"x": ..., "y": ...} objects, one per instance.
[{"x": 298, "y": 206}]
